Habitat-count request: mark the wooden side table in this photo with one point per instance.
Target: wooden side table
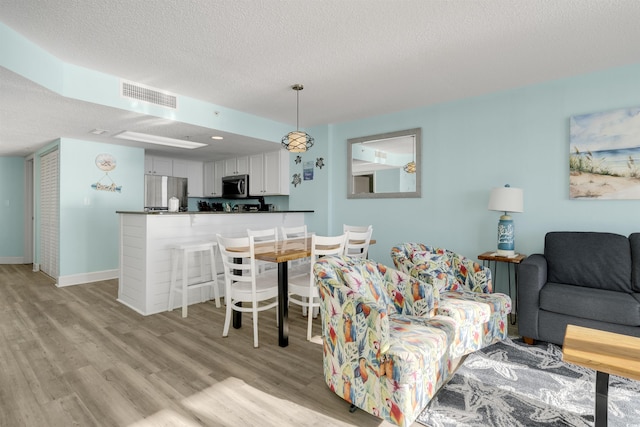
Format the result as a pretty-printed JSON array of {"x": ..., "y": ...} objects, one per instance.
[{"x": 490, "y": 256}]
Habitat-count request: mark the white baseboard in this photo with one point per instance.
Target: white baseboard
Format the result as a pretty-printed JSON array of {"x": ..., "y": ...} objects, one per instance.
[
  {"x": 95, "y": 276},
  {"x": 12, "y": 260},
  {"x": 132, "y": 307}
]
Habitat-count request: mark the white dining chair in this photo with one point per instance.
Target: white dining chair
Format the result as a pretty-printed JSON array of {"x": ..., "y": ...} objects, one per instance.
[
  {"x": 360, "y": 228},
  {"x": 264, "y": 236},
  {"x": 302, "y": 289},
  {"x": 357, "y": 244},
  {"x": 295, "y": 232},
  {"x": 300, "y": 265},
  {"x": 242, "y": 282}
]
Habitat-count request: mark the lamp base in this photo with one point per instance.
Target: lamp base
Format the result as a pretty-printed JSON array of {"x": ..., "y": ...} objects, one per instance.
[
  {"x": 506, "y": 236},
  {"x": 502, "y": 252}
]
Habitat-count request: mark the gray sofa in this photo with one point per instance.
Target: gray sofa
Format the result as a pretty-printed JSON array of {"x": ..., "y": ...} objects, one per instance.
[{"x": 588, "y": 279}]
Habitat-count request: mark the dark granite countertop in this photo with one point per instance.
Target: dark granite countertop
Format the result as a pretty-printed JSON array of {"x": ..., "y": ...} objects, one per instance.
[{"x": 209, "y": 212}]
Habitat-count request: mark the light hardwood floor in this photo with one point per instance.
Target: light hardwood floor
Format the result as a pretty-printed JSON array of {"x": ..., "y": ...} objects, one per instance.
[{"x": 74, "y": 356}]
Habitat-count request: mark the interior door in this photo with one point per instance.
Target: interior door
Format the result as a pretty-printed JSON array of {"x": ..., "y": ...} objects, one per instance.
[{"x": 49, "y": 213}]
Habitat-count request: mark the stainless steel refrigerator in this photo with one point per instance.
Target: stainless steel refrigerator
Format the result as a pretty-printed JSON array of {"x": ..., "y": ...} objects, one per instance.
[{"x": 158, "y": 189}]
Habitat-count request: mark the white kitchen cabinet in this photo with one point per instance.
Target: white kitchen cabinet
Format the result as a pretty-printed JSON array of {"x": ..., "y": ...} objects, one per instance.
[
  {"x": 209, "y": 169},
  {"x": 269, "y": 173},
  {"x": 276, "y": 172},
  {"x": 256, "y": 174},
  {"x": 180, "y": 168},
  {"x": 158, "y": 165},
  {"x": 213, "y": 173},
  {"x": 195, "y": 175},
  {"x": 242, "y": 165},
  {"x": 193, "y": 170},
  {"x": 236, "y": 166}
]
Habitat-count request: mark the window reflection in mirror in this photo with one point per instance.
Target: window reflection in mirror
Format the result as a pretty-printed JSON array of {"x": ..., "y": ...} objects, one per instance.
[{"x": 385, "y": 165}]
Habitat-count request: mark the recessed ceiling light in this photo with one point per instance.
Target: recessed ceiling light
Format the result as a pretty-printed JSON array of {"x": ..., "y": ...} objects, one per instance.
[
  {"x": 217, "y": 137},
  {"x": 160, "y": 140},
  {"x": 98, "y": 131}
]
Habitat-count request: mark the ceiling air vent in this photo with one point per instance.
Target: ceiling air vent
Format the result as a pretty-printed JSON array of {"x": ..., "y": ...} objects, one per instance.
[
  {"x": 380, "y": 154},
  {"x": 147, "y": 94}
]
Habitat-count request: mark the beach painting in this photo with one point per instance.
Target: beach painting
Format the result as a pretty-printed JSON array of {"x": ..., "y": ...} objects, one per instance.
[{"x": 604, "y": 157}]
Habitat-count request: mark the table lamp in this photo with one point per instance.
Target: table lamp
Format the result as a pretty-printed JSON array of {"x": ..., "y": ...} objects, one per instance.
[{"x": 506, "y": 199}]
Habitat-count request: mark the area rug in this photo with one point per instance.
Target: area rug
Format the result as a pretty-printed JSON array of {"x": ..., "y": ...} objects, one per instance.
[{"x": 512, "y": 384}]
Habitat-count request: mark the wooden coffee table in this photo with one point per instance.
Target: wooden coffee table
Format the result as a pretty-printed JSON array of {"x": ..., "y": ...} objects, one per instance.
[{"x": 606, "y": 353}]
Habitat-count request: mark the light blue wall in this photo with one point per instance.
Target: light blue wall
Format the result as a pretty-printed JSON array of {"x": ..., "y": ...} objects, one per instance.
[
  {"x": 89, "y": 225},
  {"x": 11, "y": 207},
  {"x": 314, "y": 194},
  {"x": 520, "y": 137},
  {"x": 29, "y": 60}
]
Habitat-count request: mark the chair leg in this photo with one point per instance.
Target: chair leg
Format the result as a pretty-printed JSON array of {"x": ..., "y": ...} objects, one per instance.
[
  {"x": 174, "y": 277},
  {"x": 309, "y": 318},
  {"x": 214, "y": 276},
  {"x": 185, "y": 282},
  {"x": 228, "y": 312},
  {"x": 204, "y": 295},
  {"x": 254, "y": 313}
]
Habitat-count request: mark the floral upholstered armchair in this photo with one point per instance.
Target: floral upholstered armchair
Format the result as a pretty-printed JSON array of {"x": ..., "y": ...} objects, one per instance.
[
  {"x": 465, "y": 292},
  {"x": 385, "y": 349}
]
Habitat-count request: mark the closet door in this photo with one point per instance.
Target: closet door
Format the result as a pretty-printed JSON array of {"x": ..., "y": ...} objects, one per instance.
[{"x": 49, "y": 213}]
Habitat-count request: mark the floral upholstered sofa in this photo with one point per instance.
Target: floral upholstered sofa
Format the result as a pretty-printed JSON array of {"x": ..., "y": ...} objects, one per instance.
[
  {"x": 465, "y": 292},
  {"x": 387, "y": 349}
]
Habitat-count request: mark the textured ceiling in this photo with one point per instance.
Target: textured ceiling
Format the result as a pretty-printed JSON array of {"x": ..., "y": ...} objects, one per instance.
[{"x": 355, "y": 58}]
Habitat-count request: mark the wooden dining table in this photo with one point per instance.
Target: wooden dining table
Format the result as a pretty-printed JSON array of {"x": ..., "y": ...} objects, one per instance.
[{"x": 281, "y": 252}]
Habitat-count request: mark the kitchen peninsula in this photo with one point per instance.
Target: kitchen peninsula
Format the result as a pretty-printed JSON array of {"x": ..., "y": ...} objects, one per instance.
[{"x": 146, "y": 239}]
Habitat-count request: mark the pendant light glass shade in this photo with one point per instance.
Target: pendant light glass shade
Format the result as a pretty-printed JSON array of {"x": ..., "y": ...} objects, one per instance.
[
  {"x": 410, "y": 167},
  {"x": 297, "y": 141}
]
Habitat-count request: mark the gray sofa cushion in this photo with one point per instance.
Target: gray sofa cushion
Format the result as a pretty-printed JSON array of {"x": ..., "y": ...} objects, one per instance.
[
  {"x": 589, "y": 259},
  {"x": 634, "y": 240},
  {"x": 594, "y": 304}
]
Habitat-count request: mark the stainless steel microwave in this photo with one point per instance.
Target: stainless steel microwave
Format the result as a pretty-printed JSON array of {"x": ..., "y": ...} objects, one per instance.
[{"x": 235, "y": 187}]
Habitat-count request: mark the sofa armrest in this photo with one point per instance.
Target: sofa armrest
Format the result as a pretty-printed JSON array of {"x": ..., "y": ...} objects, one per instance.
[
  {"x": 475, "y": 276},
  {"x": 410, "y": 296},
  {"x": 532, "y": 276},
  {"x": 351, "y": 322},
  {"x": 401, "y": 255}
]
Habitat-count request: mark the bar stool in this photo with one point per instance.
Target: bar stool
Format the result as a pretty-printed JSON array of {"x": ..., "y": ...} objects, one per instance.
[{"x": 183, "y": 251}]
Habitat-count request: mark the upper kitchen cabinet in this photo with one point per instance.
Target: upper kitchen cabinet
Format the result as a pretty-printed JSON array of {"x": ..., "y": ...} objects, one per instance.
[
  {"x": 269, "y": 173},
  {"x": 194, "y": 171},
  {"x": 213, "y": 173},
  {"x": 236, "y": 166},
  {"x": 158, "y": 166}
]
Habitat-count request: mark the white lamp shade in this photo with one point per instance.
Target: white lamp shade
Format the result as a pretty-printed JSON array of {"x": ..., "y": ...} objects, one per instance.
[
  {"x": 506, "y": 199},
  {"x": 297, "y": 142}
]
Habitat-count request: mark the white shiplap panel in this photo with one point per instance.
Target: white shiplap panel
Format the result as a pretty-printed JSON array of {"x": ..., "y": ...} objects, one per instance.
[{"x": 146, "y": 255}]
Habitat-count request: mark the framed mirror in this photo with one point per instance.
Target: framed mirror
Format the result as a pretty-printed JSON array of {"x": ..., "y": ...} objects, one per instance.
[{"x": 385, "y": 165}]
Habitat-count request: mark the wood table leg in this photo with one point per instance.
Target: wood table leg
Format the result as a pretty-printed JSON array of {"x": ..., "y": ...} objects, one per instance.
[
  {"x": 237, "y": 315},
  {"x": 602, "y": 392},
  {"x": 283, "y": 304}
]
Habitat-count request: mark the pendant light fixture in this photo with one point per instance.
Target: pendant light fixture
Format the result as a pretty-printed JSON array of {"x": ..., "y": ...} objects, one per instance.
[
  {"x": 411, "y": 166},
  {"x": 297, "y": 141}
]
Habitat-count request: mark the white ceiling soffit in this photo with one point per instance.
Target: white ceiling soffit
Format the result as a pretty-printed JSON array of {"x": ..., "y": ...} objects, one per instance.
[{"x": 356, "y": 59}]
